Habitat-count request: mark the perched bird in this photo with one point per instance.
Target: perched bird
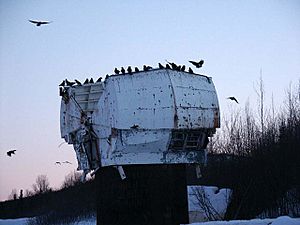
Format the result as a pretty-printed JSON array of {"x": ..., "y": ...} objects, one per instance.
[
  {"x": 99, "y": 79},
  {"x": 168, "y": 66},
  {"x": 135, "y": 126},
  {"x": 197, "y": 64},
  {"x": 173, "y": 65},
  {"x": 62, "y": 84},
  {"x": 61, "y": 91},
  {"x": 116, "y": 71},
  {"x": 10, "y": 152},
  {"x": 129, "y": 70},
  {"x": 160, "y": 66},
  {"x": 233, "y": 99},
  {"x": 39, "y": 23},
  {"x": 147, "y": 68},
  {"x": 178, "y": 68},
  {"x": 183, "y": 68},
  {"x": 107, "y": 76},
  {"x": 190, "y": 70},
  {"x": 69, "y": 83},
  {"x": 78, "y": 82},
  {"x": 86, "y": 81},
  {"x": 136, "y": 69},
  {"x": 123, "y": 70},
  {"x": 91, "y": 81}
]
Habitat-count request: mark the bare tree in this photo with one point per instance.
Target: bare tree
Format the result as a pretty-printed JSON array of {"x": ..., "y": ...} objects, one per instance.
[
  {"x": 13, "y": 194},
  {"x": 72, "y": 179},
  {"x": 42, "y": 185}
]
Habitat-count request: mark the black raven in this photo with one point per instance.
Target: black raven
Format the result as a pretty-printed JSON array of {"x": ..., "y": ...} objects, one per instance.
[
  {"x": 10, "y": 152},
  {"x": 99, "y": 79},
  {"x": 86, "y": 81},
  {"x": 78, "y": 82},
  {"x": 122, "y": 70},
  {"x": 160, "y": 66},
  {"x": 69, "y": 83},
  {"x": 136, "y": 69},
  {"x": 129, "y": 70},
  {"x": 91, "y": 81},
  {"x": 39, "y": 23},
  {"x": 116, "y": 71},
  {"x": 62, "y": 84},
  {"x": 197, "y": 64},
  {"x": 183, "y": 68},
  {"x": 190, "y": 70},
  {"x": 233, "y": 99}
]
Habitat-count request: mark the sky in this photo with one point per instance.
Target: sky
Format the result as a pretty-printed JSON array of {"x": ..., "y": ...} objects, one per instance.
[{"x": 238, "y": 40}]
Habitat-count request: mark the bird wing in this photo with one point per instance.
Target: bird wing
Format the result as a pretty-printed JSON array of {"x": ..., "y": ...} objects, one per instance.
[
  {"x": 33, "y": 21},
  {"x": 45, "y": 22}
]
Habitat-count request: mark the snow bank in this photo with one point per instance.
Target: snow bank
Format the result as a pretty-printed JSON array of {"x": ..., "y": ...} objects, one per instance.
[
  {"x": 21, "y": 221},
  {"x": 283, "y": 220},
  {"x": 207, "y": 203}
]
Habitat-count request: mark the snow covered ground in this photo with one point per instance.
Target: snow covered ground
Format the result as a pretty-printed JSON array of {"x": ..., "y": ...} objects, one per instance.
[
  {"x": 283, "y": 220},
  {"x": 207, "y": 203}
]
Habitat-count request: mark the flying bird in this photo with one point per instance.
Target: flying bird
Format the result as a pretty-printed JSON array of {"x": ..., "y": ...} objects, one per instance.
[
  {"x": 58, "y": 163},
  {"x": 78, "y": 82},
  {"x": 39, "y": 23},
  {"x": 136, "y": 69},
  {"x": 233, "y": 99},
  {"x": 197, "y": 64},
  {"x": 67, "y": 162},
  {"x": 129, "y": 70},
  {"x": 190, "y": 70},
  {"x": 99, "y": 79},
  {"x": 116, "y": 71},
  {"x": 10, "y": 152}
]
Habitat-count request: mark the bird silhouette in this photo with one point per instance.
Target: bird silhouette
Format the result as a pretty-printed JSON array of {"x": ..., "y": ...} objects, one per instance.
[
  {"x": 160, "y": 66},
  {"x": 190, "y": 70},
  {"x": 58, "y": 163},
  {"x": 168, "y": 66},
  {"x": 233, "y": 99},
  {"x": 107, "y": 76},
  {"x": 67, "y": 162},
  {"x": 183, "y": 68},
  {"x": 135, "y": 126},
  {"x": 129, "y": 70},
  {"x": 62, "y": 84},
  {"x": 147, "y": 68},
  {"x": 117, "y": 71},
  {"x": 136, "y": 69},
  {"x": 86, "y": 81},
  {"x": 78, "y": 82},
  {"x": 122, "y": 70},
  {"x": 197, "y": 64},
  {"x": 11, "y": 152},
  {"x": 69, "y": 83},
  {"x": 91, "y": 81},
  {"x": 178, "y": 68},
  {"x": 39, "y": 23},
  {"x": 99, "y": 79},
  {"x": 173, "y": 65}
]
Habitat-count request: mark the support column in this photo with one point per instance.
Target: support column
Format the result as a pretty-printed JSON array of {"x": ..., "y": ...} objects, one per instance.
[{"x": 150, "y": 194}]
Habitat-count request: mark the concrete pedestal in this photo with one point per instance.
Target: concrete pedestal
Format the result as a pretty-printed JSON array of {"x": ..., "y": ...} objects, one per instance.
[{"x": 150, "y": 195}]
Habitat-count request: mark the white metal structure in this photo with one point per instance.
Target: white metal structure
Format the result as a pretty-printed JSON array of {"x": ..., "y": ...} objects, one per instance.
[{"x": 159, "y": 116}]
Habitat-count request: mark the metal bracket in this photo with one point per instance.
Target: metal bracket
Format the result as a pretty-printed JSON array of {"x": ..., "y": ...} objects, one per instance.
[{"x": 121, "y": 172}]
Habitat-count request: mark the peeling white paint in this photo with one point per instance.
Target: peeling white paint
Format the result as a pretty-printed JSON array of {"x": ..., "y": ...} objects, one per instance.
[{"x": 132, "y": 118}]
